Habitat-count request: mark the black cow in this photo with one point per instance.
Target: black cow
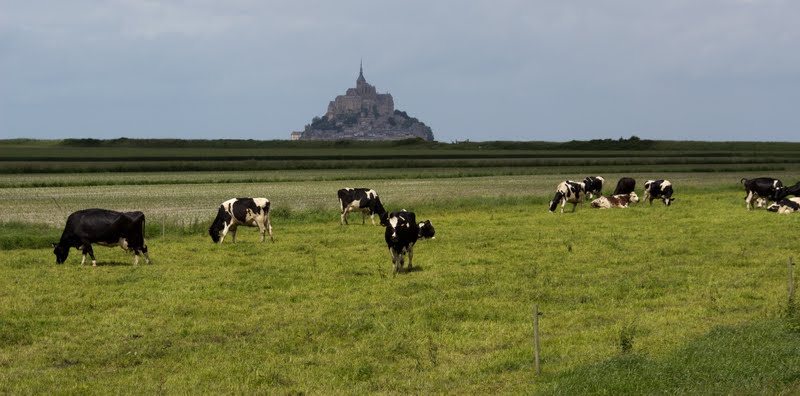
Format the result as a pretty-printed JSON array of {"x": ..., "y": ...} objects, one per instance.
[
  {"x": 625, "y": 185},
  {"x": 785, "y": 206},
  {"x": 760, "y": 187},
  {"x": 654, "y": 189},
  {"x": 567, "y": 191},
  {"x": 103, "y": 227},
  {"x": 249, "y": 212},
  {"x": 402, "y": 232},
  {"x": 364, "y": 200},
  {"x": 593, "y": 185},
  {"x": 426, "y": 230},
  {"x": 783, "y": 192}
]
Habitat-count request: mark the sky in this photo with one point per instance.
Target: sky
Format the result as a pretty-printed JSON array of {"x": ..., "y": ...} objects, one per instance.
[{"x": 477, "y": 70}]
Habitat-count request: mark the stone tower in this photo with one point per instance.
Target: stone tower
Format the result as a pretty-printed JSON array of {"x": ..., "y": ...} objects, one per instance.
[{"x": 364, "y": 114}]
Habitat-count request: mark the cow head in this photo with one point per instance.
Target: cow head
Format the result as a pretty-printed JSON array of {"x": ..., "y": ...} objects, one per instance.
[
  {"x": 377, "y": 207},
  {"x": 633, "y": 197},
  {"x": 556, "y": 200},
  {"x": 668, "y": 201},
  {"x": 215, "y": 232},
  {"x": 773, "y": 208},
  {"x": 61, "y": 252},
  {"x": 400, "y": 223},
  {"x": 426, "y": 230}
]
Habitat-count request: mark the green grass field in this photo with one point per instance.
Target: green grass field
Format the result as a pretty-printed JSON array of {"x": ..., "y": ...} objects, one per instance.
[{"x": 689, "y": 299}]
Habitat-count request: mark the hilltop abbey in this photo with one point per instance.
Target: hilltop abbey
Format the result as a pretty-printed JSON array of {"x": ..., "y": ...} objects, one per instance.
[{"x": 364, "y": 114}]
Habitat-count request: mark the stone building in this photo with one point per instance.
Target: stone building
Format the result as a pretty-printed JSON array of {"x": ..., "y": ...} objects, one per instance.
[{"x": 364, "y": 114}]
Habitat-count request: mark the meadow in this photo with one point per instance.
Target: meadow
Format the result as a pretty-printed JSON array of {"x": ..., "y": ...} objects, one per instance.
[{"x": 690, "y": 298}]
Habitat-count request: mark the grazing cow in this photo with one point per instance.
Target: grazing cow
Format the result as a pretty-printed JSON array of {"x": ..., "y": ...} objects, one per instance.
[
  {"x": 249, "y": 212},
  {"x": 654, "y": 189},
  {"x": 364, "y": 200},
  {"x": 593, "y": 185},
  {"x": 625, "y": 185},
  {"x": 783, "y": 192},
  {"x": 760, "y": 187},
  {"x": 785, "y": 206},
  {"x": 103, "y": 227},
  {"x": 567, "y": 191},
  {"x": 615, "y": 201},
  {"x": 426, "y": 230},
  {"x": 402, "y": 232}
]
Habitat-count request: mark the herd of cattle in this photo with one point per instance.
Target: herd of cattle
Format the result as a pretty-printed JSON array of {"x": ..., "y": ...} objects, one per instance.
[
  {"x": 574, "y": 192},
  {"x": 402, "y": 231},
  {"x": 126, "y": 229}
]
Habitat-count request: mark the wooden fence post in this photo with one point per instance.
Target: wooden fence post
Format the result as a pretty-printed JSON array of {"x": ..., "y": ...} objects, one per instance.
[
  {"x": 536, "y": 337},
  {"x": 791, "y": 280}
]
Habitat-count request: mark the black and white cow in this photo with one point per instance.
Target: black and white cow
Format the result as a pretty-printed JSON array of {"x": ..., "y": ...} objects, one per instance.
[
  {"x": 783, "y": 192},
  {"x": 625, "y": 185},
  {"x": 785, "y": 206},
  {"x": 365, "y": 200},
  {"x": 249, "y": 212},
  {"x": 658, "y": 189},
  {"x": 760, "y": 187},
  {"x": 426, "y": 230},
  {"x": 103, "y": 227},
  {"x": 567, "y": 191},
  {"x": 402, "y": 232},
  {"x": 593, "y": 185},
  {"x": 615, "y": 201}
]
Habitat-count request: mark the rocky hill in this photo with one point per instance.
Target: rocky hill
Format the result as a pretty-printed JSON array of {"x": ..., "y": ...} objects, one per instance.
[{"x": 364, "y": 114}]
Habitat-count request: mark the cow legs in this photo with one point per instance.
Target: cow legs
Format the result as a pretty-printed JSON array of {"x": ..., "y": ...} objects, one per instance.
[
  {"x": 344, "y": 216},
  {"x": 749, "y": 200},
  {"x": 88, "y": 249},
  {"x": 224, "y": 233},
  {"x": 410, "y": 256},
  {"x": 232, "y": 229},
  {"x": 394, "y": 259},
  {"x": 364, "y": 218},
  {"x": 83, "y": 260},
  {"x": 265, "y": 226},
  {"x": 372, "y": 218},
  {"x": 146, "y": 256}
]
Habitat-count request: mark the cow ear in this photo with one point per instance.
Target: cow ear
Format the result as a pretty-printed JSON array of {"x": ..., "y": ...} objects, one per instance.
[{"x": 54, "y": 244}]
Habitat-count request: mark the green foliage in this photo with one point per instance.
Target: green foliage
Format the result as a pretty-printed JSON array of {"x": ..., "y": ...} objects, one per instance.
[
  {"x": 643, "y": 300},
  {"x": 319, "y": 311}
]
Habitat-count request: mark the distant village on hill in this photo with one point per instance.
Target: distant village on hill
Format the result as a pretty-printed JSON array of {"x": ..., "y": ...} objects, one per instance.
[{"x": 364, "y": 114}]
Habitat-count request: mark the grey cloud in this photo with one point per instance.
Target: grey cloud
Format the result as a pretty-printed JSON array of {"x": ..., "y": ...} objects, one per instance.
[{"x": 531, "y": 70}]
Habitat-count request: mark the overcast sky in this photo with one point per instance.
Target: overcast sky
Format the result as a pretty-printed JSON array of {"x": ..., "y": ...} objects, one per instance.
[{"x": 480, "y": 70}]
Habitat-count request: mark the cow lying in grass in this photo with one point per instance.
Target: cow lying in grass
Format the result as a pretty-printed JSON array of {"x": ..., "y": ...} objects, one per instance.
[
  {"x": 426, "y": 230},
  {"x": 615, "y": 201},
  {"x": 785, "y": 206}
]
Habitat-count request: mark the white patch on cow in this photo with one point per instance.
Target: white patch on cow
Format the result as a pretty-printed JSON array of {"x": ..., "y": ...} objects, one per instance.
[
  {"x": 665, "y": 184},
  {"x": 393, "y": 223}
]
